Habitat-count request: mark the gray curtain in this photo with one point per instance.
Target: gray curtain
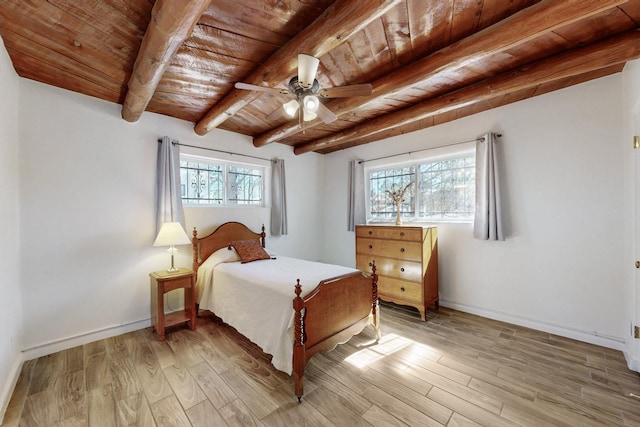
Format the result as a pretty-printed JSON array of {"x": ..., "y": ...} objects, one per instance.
[
  {"x": 357, "y": 212},
  {"x": 278, "y": 199},
  {"x": 169, "y": 198},
  {"x": 487, "y": 224}
]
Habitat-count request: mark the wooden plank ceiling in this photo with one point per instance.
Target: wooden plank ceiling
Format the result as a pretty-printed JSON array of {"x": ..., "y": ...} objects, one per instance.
[{"x": 428, "y": 61}]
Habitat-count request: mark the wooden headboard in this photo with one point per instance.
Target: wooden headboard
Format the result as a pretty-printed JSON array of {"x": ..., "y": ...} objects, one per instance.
[{"x": 220, "y": 238}]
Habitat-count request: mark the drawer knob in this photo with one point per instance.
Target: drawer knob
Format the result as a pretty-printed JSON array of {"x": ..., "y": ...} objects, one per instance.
[
  {"x": 402, "y": 289},
  {"x": 402, "y": 269},
  {"x": 370, "y": 232},
  {"x": 370, "y": 246},
  {"x": 402, "y": 234},
  {"x": 370, "y": 264},
  {"x": 401, "y": 249}
]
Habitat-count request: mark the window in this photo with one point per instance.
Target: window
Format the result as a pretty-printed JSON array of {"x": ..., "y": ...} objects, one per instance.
[
  {"x": 384, "y": 180},
  {"x": 442, "y": 190},
  {"x": 244, "y": 185},
  {"x": 216, "y": 182}
]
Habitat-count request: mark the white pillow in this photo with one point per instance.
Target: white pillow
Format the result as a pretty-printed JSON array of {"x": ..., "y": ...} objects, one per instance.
[{"x": 221, "y": 255}]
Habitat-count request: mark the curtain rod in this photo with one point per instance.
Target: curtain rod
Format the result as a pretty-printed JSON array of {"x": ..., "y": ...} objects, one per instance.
[
  {"x": 427, "y": 149},
  {"x": 219, "y": 151}
]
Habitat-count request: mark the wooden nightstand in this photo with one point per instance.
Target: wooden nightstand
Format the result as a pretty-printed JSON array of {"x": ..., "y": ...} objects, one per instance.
[{"x": 163, "y": 282}]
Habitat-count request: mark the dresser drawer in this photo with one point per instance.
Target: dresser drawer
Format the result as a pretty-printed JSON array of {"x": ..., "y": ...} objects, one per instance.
[
  {"x": 390, "y": 249},
  {"x": 364, "y": 263},
  {"x": 400, "y": 269},
  {"x": 399, "y": 289},
  {"x": 390, "y": 233}
]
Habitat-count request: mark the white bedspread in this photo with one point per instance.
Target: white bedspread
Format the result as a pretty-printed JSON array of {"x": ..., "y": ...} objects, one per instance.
[{"x": 256, "y": 298}]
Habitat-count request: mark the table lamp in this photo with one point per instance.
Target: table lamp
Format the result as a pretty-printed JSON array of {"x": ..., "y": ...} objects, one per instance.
[{"x": 171, "y": 234}]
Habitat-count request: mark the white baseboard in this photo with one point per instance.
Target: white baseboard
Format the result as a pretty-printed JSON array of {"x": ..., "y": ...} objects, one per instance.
[
  {"x": 591, "y": 337},
  {"x": 85, "y": 338},
  {"x": 9, "y": 386}
]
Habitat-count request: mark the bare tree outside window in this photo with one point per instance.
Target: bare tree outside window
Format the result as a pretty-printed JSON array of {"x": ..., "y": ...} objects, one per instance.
[
  {"x": 245, "y": 186},
  {"x": 447, "y": 189},
  {"x": 381, "y": 181}
]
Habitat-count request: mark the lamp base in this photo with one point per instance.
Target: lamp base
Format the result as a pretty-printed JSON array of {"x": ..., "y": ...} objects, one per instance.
[{"x": 172, "y": 250}]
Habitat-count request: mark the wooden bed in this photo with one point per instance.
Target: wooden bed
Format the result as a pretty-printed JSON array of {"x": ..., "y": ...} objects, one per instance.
[{"x": 334, "y": 311}]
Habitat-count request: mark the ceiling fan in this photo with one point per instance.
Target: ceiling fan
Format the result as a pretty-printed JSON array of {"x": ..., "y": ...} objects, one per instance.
[{"x": 307, "y": 92}]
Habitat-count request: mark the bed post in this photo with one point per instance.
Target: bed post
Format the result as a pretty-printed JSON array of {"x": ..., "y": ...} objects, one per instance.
[
  {"x": 375, "y": 308},
  {"x": 194, "y": 244},
  {"x": 263, "y": 235},
  {"x": 298, "y": 342}
]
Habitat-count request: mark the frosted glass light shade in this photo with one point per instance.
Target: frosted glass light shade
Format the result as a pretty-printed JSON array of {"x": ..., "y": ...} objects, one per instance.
[
  {"x": 171, "y": 233},
  {"x": 308, "y": 116},
  {"x": 307, "y": 69},
  {"x": 311, "y": 103},
  {"x": 291, "y": 107}
]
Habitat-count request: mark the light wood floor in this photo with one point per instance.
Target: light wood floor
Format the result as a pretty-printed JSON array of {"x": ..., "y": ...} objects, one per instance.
[{"x": 455, "y": 370}]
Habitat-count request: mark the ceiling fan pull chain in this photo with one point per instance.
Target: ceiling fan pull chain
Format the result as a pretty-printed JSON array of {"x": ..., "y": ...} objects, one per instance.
[{"x": 301, "y": 119}]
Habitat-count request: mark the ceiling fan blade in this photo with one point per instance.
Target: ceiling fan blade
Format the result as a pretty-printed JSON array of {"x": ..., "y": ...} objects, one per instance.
[
  {"x": 364, "y": 89},
  {"x": 247, "y": 86},
  {"x": 325, "y": 114}
]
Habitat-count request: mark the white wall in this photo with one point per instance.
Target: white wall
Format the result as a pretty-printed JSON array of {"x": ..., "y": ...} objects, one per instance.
[
  {"x": 631, "y": 116},
  {"x": 11, "y": 298},
  {"x": 560, "y": 269},
  {"x": 87, "y": 213}
]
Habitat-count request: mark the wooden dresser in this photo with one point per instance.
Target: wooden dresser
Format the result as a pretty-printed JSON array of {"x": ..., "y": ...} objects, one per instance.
[{"x": 406, "y": 260}]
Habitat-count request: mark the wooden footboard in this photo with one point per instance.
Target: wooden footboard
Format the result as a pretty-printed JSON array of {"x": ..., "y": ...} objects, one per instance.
[{"x": 331, "y": 314}]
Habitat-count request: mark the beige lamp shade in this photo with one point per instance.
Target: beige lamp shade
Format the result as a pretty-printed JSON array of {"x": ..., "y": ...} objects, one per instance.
[{"x": 171, "y": 233}]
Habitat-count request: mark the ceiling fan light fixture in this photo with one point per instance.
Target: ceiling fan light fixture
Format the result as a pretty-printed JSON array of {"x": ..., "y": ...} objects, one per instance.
[
  {"x": 291, "y": 107},
  {"x": 307, "y": 69},
  {"x": 308, "y": 115},
  {"x": 310, "y": 103}
]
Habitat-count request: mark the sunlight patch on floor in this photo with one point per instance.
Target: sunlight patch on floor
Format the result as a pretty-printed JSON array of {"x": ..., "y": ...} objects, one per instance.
[{"x": 388, "y": 345}]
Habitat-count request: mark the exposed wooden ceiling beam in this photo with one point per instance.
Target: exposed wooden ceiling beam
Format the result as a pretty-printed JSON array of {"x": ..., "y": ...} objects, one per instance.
[
  {"x": 615, "y": 50},
  {"x": 516, "y": 30},
  {"x": 333, "y": 27},
  {"x": 171, "y": 23}
]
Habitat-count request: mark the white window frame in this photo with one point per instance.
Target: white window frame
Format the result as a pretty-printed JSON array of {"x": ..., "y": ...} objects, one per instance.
[
  {"x": 226, "y": 164},
  {"x": 435, "y": 155}
]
